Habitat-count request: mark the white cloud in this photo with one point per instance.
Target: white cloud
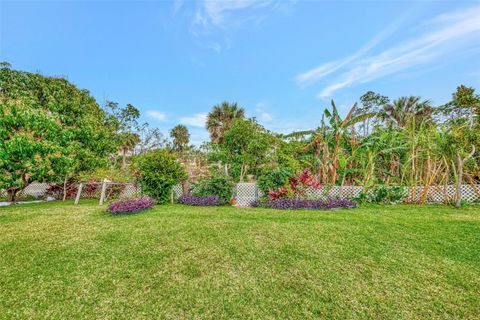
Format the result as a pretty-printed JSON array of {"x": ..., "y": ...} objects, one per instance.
[
  {"x": 215, "y": 19},
  {"x": 218, "y": 13},
  {"x": 262, "y": 114},
  {"x": 446, "y": 34},
  {"x": 160, "y": 116},
  {"x": 177, "y": 5},
  {"x": 265, "y": 116},
  {"x": 197, "y": 120}
]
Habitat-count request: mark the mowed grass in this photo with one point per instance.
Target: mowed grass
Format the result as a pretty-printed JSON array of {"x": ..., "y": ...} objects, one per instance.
[{"x": 58, "y": 261}]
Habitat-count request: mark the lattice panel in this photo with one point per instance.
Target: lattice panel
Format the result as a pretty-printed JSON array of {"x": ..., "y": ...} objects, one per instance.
[
  {"x": 246, "y": 194},
  {"x": 177, "y": 191},
  {"x": 122, "y": 190}
]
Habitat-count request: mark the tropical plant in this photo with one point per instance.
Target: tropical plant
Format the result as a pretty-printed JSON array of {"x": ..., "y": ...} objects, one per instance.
[
  {"x": 406, "y": 109},
  {"x": 180, "y": 137},
  {"x": 221, "y": 119},
  {"x": 273, "y": 179}
]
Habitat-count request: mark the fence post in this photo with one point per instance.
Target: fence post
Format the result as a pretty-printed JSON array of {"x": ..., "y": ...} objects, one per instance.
[
  {"x": 79, "y": 192},
  {"x": 104, "y": 189}
]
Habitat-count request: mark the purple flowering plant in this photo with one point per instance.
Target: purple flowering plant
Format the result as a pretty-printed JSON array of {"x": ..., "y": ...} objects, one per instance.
[
  {"x": 192, "y": 200},
  {"x": 131, "y": 205},
  {"x": 291, "y": 204}
]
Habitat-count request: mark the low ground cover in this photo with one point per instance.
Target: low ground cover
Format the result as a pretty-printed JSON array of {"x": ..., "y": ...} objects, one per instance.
[{"x": 176, "y": 261}]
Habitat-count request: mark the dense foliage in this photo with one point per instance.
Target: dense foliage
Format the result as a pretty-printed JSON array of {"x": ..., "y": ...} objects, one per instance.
[
  {"x": 274, "y": 179},
  {"x": 193, "y": 200},
  {"x": 217, "y": 185},
  {"x": 131, "y": 205},
  {"x": 158, "y": 171},
  {"x": 49, "y": 129},
  {"x": 383, "y": 194}
]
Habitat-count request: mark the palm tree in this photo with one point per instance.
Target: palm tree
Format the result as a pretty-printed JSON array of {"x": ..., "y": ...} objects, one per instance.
[
  {"x": 128, "y": 142},
  {"x": 406, "y": 109},
  {"x": 180, "y": 137},
  {"x": 220, "y": 119}
]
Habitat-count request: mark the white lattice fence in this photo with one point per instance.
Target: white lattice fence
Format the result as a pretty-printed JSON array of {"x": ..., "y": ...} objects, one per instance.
[
  {"x": 177, "y": 191},
  {"x": 247, "y": 193}
]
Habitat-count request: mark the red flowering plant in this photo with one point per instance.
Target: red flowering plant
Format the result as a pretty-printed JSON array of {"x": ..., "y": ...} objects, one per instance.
[{"x": 297, "y": 186}]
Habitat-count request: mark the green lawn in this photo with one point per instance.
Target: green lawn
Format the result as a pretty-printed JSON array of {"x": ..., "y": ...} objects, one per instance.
[{"x": 58, "y": 261}]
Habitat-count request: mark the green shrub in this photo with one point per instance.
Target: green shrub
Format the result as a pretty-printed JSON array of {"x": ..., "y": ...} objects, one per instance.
[
  {"x": 217, "y": 185},
  {"x": 383, "y": 194},
  {"x": 158, "y": 172},
  {"x": 273, "y": 179}
]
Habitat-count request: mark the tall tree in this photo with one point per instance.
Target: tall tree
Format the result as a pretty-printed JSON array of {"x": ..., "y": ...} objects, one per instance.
[
  {"x": 180, "y": 137},
  {"x": 221, "y": 118},
  {"x": 406, "y": 109},
  {"x": 246, "y": 147},
  {"x": 464, "y": 107},
  {"x": 125, "y": 122},
  {"x": 57, "y": 131},
  {"x": 371, "y": 103}
]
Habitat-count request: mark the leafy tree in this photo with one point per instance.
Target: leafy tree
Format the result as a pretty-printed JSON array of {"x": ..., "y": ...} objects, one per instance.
[
  {"x": 221, "y": 118},
  {"x": 158, "y": 172},
  {"x": 371, "y": 103},
  {"x": 246, "y": 147},
  {"x": 150, "y": 138},
  {"x": 406, "y": 109},
  {"x": 180, "y": 137},
  {"x": 463, "y": 107},
  {"x": 82, "y": 139},
  {"x": 125, "y": 123}
]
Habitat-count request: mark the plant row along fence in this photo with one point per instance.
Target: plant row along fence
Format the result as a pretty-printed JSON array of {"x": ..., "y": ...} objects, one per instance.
[{"x": 245, "y": 193}]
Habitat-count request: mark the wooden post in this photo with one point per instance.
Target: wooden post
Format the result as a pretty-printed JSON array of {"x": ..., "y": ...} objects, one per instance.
[
  {"x": 79, "y": 192},
  {"x": 104, "y": 189}
]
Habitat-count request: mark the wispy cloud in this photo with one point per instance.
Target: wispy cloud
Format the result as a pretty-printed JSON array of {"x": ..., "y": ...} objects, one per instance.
[
  {"x": 160, "y": 116},
  {"x": 214, "y": 19},
  {"x": 446, "y": 34},
  {"x": 197, "y": 120},
  {"x": 325, "y": 69}
]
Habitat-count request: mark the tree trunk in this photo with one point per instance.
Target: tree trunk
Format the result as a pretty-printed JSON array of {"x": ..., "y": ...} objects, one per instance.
[
  {"x": 185, "y": 187},
  {"x": 12, "y": 194},
  {"x": 64, "y": 188},
  {"x": 458, "y": 190},
  {"x": 460, "y": 163},
  {"x": 124, "y": 160}
]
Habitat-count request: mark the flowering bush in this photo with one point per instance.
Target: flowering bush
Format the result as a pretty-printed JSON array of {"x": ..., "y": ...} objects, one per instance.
[
  {"x": 131, "y": 205},
  {"x": 288, "y": 204},
  {"x": 297, "y": 186},
  {"x": 192, "y": 200}
]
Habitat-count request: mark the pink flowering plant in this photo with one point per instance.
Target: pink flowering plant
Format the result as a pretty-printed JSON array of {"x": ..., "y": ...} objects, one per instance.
[
  {"x": 297, "y": 186},
  {"x": 131, "y": 205}
]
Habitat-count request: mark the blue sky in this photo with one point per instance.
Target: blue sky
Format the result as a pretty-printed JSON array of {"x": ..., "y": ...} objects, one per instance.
[{"x": 281, "y": 60}]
